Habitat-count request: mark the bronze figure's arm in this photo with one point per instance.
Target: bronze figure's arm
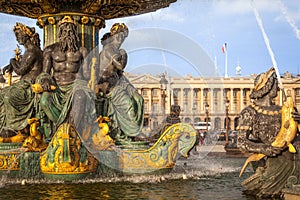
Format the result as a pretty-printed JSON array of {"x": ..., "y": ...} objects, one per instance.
[
  {"x": 85, "y": 69},
  {"x": 245, "y": 132},
  {"x": 25, "y": 65},
  {"x": 245, "y": 144},
  {"x": 120, "y": 60},
  {"x": 47, "y": 62}
]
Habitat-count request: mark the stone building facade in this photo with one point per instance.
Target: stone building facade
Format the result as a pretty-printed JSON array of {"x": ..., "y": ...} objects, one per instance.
[{"x": 193, "y": 93}]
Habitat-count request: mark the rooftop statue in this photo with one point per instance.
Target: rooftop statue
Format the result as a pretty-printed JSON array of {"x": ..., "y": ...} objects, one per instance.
[
  {"x": 16, "y": 101},
  {"x": 269, "y": 131},
  {"x": 116, "y": 96}
]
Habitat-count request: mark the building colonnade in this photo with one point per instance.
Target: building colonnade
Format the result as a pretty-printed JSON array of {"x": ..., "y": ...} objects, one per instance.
[{"x": 193, "y": 94}]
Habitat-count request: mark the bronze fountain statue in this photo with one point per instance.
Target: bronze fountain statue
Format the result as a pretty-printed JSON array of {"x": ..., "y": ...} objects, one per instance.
[
  {"x": 16, "y": 101},
  {"x": 120, "y": 101},
  {"x": 271, "y": 133},
  {"x": 74, "y": 112}
]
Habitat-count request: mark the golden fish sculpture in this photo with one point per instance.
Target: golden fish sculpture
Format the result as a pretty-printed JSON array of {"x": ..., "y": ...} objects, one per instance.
[
  {"x": 286, "y": 135},
  {"x": 102, "y": 140}
]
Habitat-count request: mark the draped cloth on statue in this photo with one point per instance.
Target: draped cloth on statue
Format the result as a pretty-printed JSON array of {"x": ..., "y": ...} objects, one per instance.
[
  {"x": 59, "y": 105},
  {"x": 271, "y": 178},
  {"x": 16, "y": 105},
  {"x": 126, "y": 107}
]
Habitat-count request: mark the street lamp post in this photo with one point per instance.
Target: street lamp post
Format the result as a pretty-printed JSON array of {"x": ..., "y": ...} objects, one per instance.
[
  {"x": 206, "y": 113},
  {"x": 227, "y": 121},
  {"x": 2, "y": 80},
  {"x": 163, "y": 86}
]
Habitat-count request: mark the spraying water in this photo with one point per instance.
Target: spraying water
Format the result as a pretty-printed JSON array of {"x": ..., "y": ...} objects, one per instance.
[
  {"x": 11, "y": 164},
  {"x": 289, "y": 19},
  {"x": 267, "y": 42}
]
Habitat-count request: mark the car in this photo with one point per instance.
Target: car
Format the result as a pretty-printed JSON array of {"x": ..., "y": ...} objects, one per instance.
[
  {"x": 222, "y": 136},
  {"x": 231, "y": 135}
]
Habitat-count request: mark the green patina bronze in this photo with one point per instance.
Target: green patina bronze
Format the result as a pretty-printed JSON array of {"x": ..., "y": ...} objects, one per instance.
[{"x": 74, "y": 114}]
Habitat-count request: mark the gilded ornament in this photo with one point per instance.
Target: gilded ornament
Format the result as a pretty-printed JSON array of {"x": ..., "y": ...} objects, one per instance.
[
  {"x": 263, "y": 79},
  {"x": 97, "y": 22},
  {"x": 85, "y": 19},
  {"x": 41, "y": 22},
  {"x": 35, "y": 141},
  {"x": 51, "y": 20},
  {"x": 66, "y": 154},
  {"x": 101, "y": 140},
  {"x": 24, "y": 29},
  {"x": 178, "y": 138},
  {"x": 66, "y": 19}
]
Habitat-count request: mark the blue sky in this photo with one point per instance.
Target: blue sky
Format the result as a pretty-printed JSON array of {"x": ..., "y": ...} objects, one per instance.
[{"x": 187, "y": 37}]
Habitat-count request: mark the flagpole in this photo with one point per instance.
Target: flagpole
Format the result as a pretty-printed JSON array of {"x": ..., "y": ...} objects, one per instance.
[
  {"x": 224, "y": 49},
  {"x": 226, "y": 65}
]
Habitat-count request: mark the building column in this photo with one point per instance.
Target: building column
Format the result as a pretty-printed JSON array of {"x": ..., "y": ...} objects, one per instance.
[
  {"x": 150, "y": 99},
  {"x": 222, "y": 100},
  {"x": 168, "y": 106},
  {"x": 201, "y": 100},
  {"x": 181, "y": 99},
  {"x": 192, "y": 98},
  {"x": 242, "y": 99},
  {"x": 231, "y": 100},
  {"x": 151, "y": 120},
  {"x": 212, "y": 101}
]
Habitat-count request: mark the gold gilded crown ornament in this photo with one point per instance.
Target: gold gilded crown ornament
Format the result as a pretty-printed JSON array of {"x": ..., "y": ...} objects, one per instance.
[
  {"x": 66, "y": 19},
  {"x": 117, "y": 28},
  {"x": 24, "y": 29},
  {"x": 263, "y": 79},
  {"x": 264, "y": 83}
]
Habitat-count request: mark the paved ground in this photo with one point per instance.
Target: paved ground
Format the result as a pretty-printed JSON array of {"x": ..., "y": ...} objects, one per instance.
[
  {"x": 217, "y": 150},
  {"x": 212, "y": 148}
]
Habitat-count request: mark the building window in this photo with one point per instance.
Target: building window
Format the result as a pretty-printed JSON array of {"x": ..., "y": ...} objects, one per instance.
[
  {"x": 205, "y": 91},
  {"x": 195, "y": 105},
  {"x": 155, "y": 92},
  {"x": 244, "y": 92},
  {"x": 195, "y": 93},
  {"x": 225, "y": 92},
  {"x": 215, "y": 93},
  {"x": 216, "y": 106},
  {"x": 144, "y": 92},
  {"x": 146, "y": 108},
  {"x": 234, "y": 107},
  {"x": 175, "y": 92},
  {"x": 155, "y": 107},
  {"x": 297, "y": 91},
  {"x": 185, "y": 92},
  {"x": 234, "y": 93},
  {"x": 185, "y": 106}
]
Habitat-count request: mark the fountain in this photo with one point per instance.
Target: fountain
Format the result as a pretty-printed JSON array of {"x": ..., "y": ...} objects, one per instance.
[
  {"x": 80, "y": 122},
  {"x": 82, "y": 117}
]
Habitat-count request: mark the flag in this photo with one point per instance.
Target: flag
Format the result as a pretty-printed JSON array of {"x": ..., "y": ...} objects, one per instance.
[{"x": 224, "y": 47}]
